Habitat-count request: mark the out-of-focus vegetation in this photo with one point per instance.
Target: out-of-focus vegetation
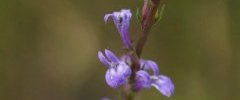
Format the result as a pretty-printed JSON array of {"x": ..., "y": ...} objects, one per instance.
[{"x": 48, "y": 48}]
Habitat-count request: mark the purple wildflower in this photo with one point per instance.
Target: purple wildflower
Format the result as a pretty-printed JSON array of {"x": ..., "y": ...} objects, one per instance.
[
  {"x": 143, "y": 80},
  {"x": 118, "y": 71},
  {"x": 122, "y": 20}
]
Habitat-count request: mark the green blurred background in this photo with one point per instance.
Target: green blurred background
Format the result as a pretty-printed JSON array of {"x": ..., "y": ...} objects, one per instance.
[{"x": 48, "y": 48}]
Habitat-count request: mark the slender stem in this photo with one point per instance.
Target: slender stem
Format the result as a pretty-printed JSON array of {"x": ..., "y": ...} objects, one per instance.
[
  {"x": 147, "y": 20},
  {"x": 129, "y": 93}
]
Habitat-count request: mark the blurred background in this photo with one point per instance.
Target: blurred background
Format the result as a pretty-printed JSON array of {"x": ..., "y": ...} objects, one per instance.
[{"x": 48, "y": 48}]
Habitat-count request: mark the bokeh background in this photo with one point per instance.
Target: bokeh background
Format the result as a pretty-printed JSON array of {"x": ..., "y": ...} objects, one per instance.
[{"x": 48, "y": 48}]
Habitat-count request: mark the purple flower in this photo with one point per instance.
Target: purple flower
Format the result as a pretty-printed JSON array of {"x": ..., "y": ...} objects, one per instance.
[
  {"x": 163, "y": 84},
  {"x": 122, "y": 20},
  {"x": 118, "y": 71},
  {"x": 143, "y": 80}
]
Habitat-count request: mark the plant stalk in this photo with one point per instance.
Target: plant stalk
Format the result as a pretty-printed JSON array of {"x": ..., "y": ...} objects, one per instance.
[{"x": 149, "y": 10}]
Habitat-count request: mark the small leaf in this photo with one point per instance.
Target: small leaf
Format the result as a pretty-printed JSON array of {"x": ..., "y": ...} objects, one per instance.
[
  {"x": 138, "y": 15},
  {"x": 159, "y": 15}
]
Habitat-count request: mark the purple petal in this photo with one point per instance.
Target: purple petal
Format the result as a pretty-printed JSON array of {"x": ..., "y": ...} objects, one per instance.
[
  {"x": 103, "y": 59},
  {"x": 163, "y": 84},
  {"x": 142, "y": 80},
  {"x": 111, "y": 56},
  {"x": 142, "y": 64},
  {"x": 118, "y": 75},
  {"x": 149, "y": 65},
  {"x": 126, "y": 17},
  {"x": 106, "y": 17},
  {"x": 126, "y": 59},
  {"x": 153, "y": 66},
  {"x": 124, "y": 69},
  {"x": 117, "y": 19},
  {"x": 113, "y": 78}
]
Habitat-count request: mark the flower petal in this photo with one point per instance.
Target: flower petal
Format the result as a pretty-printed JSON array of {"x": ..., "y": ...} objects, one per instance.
[
  {"x": 149, "y": 65},
  {"x": 142, "y": 80},
  {"x": 126, "y": 59},
  {"x": 103, "y": 59},
  {"x": 163, "y": 84},
  {"x": 124, "y": 69},
  {"x": 106, "y": 17},
  {"x": 142, "y": 64},
  {"x": 153, "y": 66},
  {"x": 113, "y": 78},
  {"x": 111, "y": 56}
]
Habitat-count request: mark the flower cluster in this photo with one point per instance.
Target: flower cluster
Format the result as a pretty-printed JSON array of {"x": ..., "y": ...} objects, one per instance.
[{"x": 119, "y": 69}]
